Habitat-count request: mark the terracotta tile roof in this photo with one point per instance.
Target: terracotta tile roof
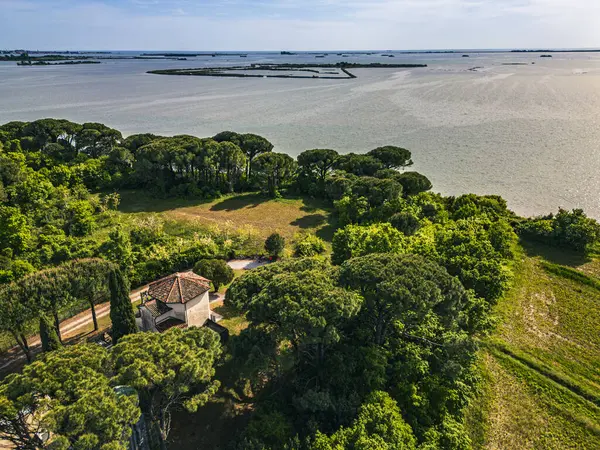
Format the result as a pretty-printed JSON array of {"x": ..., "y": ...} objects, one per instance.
[
  {"x": 178, "y": 288},
  {"x": 156, "y": 308},
  {"x": 171, "y": 322}
]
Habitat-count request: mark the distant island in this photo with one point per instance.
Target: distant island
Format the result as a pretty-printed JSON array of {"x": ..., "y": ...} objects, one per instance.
[
  {"x": 294, "y": 70},
  {"x": 60, "y": 63},
  {"x": 43, "y": 58},
  {"x": 192, "y": 55}
]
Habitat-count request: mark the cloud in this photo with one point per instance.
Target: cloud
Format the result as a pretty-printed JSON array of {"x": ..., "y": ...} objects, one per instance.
[{"x": 290, "y": 24}]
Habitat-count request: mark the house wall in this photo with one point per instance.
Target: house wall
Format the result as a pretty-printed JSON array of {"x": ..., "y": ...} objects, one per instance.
[
  {"x": 198, "y": 310},
  {"x": 147, "y": 320}
]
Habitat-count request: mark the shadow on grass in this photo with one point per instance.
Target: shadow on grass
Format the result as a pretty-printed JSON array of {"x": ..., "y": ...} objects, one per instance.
[
  {"x": 310, "y": 221},
  {"x": 554, "y": 255},
  {"x": 313, "y": 204},
  {"x": 239, "y": 202},
  {"x": 140, "y": 201}
]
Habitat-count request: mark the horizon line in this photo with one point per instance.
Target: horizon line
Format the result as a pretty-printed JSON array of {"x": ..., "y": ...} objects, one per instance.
[{"x": 537, "y": 48}]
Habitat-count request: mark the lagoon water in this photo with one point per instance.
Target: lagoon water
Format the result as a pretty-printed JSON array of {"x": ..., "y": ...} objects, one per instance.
[{"x": 528, "y": 132}]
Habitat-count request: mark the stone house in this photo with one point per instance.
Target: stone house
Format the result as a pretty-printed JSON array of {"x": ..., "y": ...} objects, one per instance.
[{"x": 178, "y": 300}]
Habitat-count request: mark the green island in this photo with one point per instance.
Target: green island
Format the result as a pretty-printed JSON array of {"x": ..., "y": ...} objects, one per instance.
[
  {"x": 44, "y": 58},
  {"x": 294, "y": 70},
  {"x": 59, "y": 63},
  {"x": 351, "y": 306}
]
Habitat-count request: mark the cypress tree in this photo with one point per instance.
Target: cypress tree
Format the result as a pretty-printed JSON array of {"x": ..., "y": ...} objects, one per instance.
[
  {"x": 48, "y": 334},
  {"x": 121, "y": 309}
]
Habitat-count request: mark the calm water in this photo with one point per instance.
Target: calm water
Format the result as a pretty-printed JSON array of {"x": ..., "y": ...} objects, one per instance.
[{"x": 530, "y": 133}]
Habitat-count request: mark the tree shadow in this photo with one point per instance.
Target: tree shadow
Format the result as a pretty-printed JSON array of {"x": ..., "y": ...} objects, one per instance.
[
  {"x": 239, "y": 202},
  {"x": 556, "y": 255},
  {"x": 314, "y": 204},
  {"x": 326, "y": 233},
  {"x": 135, "y": 201},
  {"x": 215, "y": 425},
  {"x": 310, "y": 221}
]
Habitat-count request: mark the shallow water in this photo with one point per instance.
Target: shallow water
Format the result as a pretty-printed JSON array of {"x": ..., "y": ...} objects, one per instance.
[{"x": 530, "y": 133}]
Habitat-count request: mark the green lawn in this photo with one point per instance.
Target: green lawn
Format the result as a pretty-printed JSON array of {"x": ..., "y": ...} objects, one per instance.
[
  {"x": 541, "y": 366},
  {"x": 255, "y": 212}
]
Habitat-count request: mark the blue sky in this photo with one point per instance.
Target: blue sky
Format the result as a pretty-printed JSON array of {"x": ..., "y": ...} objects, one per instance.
[{"x": 297, "y": 25}]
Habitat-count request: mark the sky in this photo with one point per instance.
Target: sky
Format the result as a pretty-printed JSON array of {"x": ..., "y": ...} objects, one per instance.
[{"x": 253, "y": 25}]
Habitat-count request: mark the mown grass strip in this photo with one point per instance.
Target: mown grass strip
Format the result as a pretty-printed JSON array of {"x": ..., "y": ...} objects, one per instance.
[
  {"x": 571, "y": 274},
  {"x": 547, "y": 372},
  {"x": 555, "y": 396}
]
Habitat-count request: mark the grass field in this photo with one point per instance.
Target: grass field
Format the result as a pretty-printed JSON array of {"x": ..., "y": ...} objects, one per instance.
[
  {"x": 264, "y": 215},
  {"x": 541, "y": 367}
]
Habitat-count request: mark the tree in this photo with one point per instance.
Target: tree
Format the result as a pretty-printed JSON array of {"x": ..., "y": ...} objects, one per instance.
[
  {"x": 575, "y": 230},
  {"x": 306, "y": 309},
  {"x": 67, "y": 394},
  {"x": 355, "y": 240},
  {"x": 89, "y": 281},
  {"x": 274, "y": 245},
  {"x": 251, "y": 144},
  {"x": 254, "y": 145},
  {"x": 252, "y": 282},
  {"x": 274, "y": 171},
  {"x": 48, "y": 334},
  {"x": 403, "y": 291},
  {"x": 466, "y": 250},
  {"x": 379, "y": 426},
  {"x": 405, "y": 221},
  {"x": 118, "y": 249},
  {"x": 80, "y": 218},
  {"x": 19, "y": 311},
  {"x": 425, "y": 320},
  {"x": 169, "y": 370},
  {"x": 413, "y": 183},
  {"x": 351, "y": 210},
  {"x": 392, "y": 157},
  {"x": 216, "y": 270},
  {"x": 359, "y": 165},
  {"x": 96, "y": 139},
  {"x": 314, "y": 166},
  {"x": 122, "y": 316},
  {"x": 15, "y": 230},
  {"x": 135, "y": 141},
  {"x": 231, "y": 165},
  {"x": 50, "y": 289}
]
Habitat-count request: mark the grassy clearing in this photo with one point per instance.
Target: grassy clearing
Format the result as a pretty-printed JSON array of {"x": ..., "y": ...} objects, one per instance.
[
  {"x": 541, "y": 367},
  {"x": 246, "y": 211},
  {"x": 232, "y": 319}
]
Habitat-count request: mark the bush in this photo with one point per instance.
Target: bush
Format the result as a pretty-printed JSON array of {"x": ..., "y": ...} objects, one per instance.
[
  {"x": 216, "y": 270},
  {"x": 274, "y": 245},
  {"x": 309, "y": 245},
  {"x": 572, "y": 230}
]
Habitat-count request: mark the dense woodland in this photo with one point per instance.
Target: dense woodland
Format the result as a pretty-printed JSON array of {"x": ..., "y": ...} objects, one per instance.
[{"x": 370, "y": 347}]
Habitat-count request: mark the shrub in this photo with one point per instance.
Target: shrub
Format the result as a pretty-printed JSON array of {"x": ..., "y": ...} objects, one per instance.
[
  {"x": 216, "y": 270},
  {"x": 274, "y": 245},
  {"x": 572, "y": 230},
  {"x": 309, "y": 245}
]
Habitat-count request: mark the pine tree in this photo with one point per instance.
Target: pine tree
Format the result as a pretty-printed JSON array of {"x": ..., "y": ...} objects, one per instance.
[
  {"x": 48, "y": 334},
  {"x": 121, "y": 310}
]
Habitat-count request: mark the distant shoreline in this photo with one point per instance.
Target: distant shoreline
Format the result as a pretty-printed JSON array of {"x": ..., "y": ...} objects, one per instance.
[
  {"x": 192, "y": 53},
  {"x": 229, "y": 71}
]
